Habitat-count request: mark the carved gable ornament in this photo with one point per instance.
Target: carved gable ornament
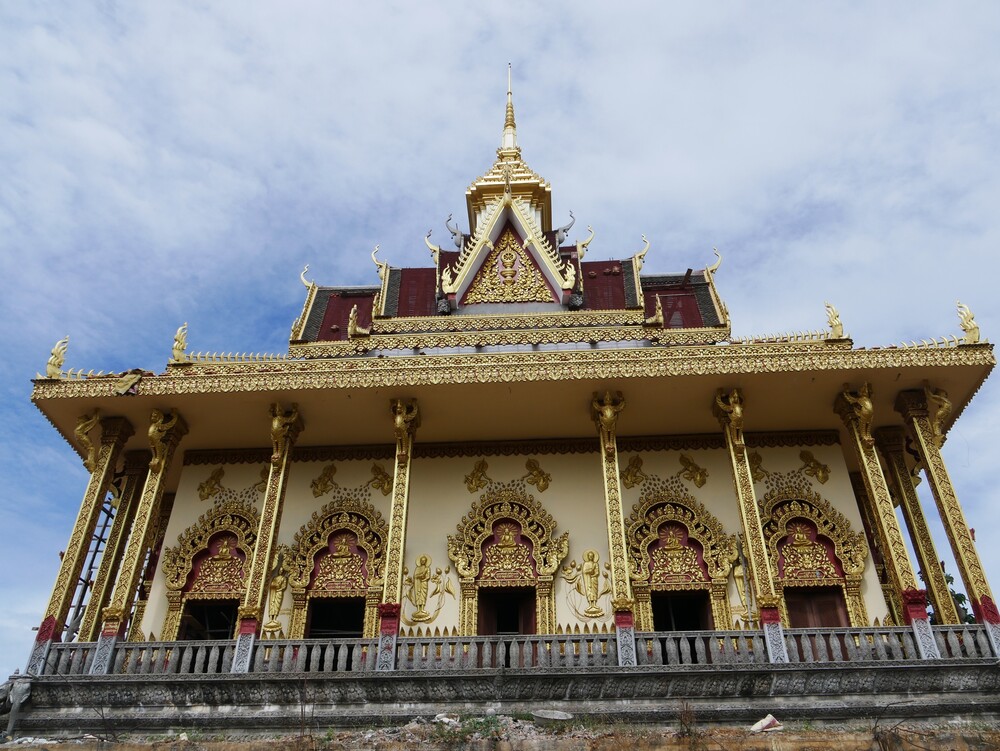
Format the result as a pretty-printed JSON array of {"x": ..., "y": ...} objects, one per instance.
[
  {"x": 509, "y": 274},
  {"x": 213, "y": 549},
  {"x": 507, "y": 531}
]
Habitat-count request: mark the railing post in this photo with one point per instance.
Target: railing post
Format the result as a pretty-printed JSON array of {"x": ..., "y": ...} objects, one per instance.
[
  {"x": 388, "y": 634},
  {"x": 625, "y": 637}
]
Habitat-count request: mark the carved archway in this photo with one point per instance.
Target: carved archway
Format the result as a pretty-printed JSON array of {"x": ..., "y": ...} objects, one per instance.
[
  {"x": 675, "y": 544},
  {"x": 339, "y": 552},
  {"x": 507, "y": 540},
  {"x": 811, "y": 544},
  {"x": 209, "y": 560}
]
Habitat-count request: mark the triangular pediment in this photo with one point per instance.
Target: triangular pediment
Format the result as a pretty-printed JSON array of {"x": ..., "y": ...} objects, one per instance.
[
  {"x": 496, "y": 274},
  {"x": 509, "y": 273}
]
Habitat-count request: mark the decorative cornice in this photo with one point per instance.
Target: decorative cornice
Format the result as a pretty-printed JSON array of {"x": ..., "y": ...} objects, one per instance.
[
  {"x": 793, "y": 438},
  {"x": 514, "y": 321},
  {"x": 470, "y": 339},
  {"x": 299, "y": 454},
  {"x": 294, "y": 375},
  {"x": 506, "y": 448}
]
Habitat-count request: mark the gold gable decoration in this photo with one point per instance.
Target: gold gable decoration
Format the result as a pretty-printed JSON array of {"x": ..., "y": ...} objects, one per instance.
[
  {"x": 359, "y": 524},
  {"x": 490, "y": 515},
  {"x": 508, "y": 274},
  {"x": 238, "y": 519},
  {"x": 666, "y": 503}
]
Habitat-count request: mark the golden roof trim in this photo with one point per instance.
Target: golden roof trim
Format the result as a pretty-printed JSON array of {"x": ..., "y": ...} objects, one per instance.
[{"x": 519, "y": 367}]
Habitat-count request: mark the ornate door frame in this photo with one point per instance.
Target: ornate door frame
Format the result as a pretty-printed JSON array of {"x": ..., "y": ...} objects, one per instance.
[
  {"x": 356, "y": 565},
  {"x": 194, "y": 546},
  {"x": 507, "y": 540}
]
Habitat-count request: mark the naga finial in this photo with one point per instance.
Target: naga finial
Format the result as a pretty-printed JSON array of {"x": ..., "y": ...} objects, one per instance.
[
  {"x": 434, "y": 249},
  {"x": 968, "y": 323},
  {"x": 640, "y": 257},
  {"x": 715, "y": 266},
  {"x": 582, "y": 245},
  {"x": 833, "y": 321},
  {"x": 382, "y": 266},
  {"x": 302, "y": 277},
  {"x": 563, "y": 231},
  {"x": 179, "y": 351},
  {"x": 53, "y": 368},
  {"x": 456, "y": 234}
]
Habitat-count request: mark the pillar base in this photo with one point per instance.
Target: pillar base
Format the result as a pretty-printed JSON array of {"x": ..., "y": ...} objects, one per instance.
[
  {"x": 915, "y": 614},
  {"x": 625, "y": 636},
  {"x": 388, "y": 631},
  {"x": 245, "y": 640},
  {"x": 104, "y": 654},
  {"x": 986, "y": 613},
  {"x": 40, "y": 650},
  {"x": 774, "y": 634}
]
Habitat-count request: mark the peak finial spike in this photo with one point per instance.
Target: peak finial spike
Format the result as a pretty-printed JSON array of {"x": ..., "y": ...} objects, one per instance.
[{"x": 509, "y": 140}]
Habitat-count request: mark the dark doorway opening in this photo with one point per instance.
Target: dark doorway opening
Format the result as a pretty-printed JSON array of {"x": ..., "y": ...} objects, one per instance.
[
  {"x": 208, "y": 619},
  {"x": 816, "y": 607},
  {"x": 681, "y": 611},
  {"x": 506, "y": 612},
  {"x": 335, "y": 618}
]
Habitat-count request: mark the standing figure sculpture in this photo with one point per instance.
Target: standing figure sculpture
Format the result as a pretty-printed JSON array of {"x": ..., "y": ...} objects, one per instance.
[
  {"x": 730, "y": 407},
  {"x": 159, "y": 426},
  {"x": 404, "y": 419},
  {"x": 605, "y": 413},
  {"x": 84, "y": 425},
  {"x": 281, "y": 423},
  {"x": 419, "y": 588},
  {"x": 864, "y": 410}
]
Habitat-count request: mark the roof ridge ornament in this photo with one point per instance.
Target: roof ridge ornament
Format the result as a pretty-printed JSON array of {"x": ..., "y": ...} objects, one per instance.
[
  {"x": 508, "y": 142},
  {"x": 640, "y": 257},
  {"x": 715, "y": 266},
  {"x": 968, "y": 323},
  {"x": 382, "y": 266}
]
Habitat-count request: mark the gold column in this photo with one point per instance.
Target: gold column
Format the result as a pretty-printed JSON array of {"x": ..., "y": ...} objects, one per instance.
[
  {"x": 728, "y": 409},
  {"x": 164, "y": 435},
  {"x": 605, "y": 411},
  {"x": 406, "y": 420},
  {"x": 115, "y": 431},
  {"x": 890, "y": 442},
  {"x": 285, "y": 428},
  {"x": 889, "y": 593},
  {"x": 857, "y": 411},
  {"x": 153, "y": 546},
  {"x": 136, "y": 463},
  {"x": 929, "y": 435}
]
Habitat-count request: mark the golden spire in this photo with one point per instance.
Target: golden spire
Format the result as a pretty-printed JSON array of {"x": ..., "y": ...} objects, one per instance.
[{"x": 509, "y": 141}]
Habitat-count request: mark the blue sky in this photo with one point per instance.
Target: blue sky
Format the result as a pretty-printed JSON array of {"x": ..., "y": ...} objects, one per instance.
[{"x": 172, "y": 162}]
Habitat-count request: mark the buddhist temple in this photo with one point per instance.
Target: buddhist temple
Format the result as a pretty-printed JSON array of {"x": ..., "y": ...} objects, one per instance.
[{"x": 515, "y": 473}]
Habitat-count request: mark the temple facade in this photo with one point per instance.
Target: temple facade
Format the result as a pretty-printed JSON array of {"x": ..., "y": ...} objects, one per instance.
[{"x": 515, "y": 441}]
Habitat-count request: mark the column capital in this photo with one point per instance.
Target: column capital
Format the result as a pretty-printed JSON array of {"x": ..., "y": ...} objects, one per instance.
[
  {"x": 405, "y": 421},
  {"x": 604, "y": 412},
  {"x": 285, "y": 428},
  {"x": 856, "y": 409},
  {"x": 165, "y": 432},
  {"x": 929, "y": 402},
  {"x": 116, "y": 429},
  {"x": 728, "y": 410},
  {"x": 891, "y": 438}
]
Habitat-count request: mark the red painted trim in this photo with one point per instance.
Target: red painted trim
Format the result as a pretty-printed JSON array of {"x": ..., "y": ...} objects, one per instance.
[
  {"x": 388, "y": 614},
  {"x": 914, "y": 605},
  {"x": 985, "y": 610}
]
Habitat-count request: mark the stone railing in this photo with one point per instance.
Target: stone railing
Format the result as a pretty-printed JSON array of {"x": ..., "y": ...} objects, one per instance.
[
  {"x": 444, "y": 654},
  {"x": 515, "y": 652},
  {"x": 700, "y": 648}
]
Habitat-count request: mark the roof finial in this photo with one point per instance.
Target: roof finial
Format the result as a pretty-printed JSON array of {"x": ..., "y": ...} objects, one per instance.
[{"x": 509, "y": 128}]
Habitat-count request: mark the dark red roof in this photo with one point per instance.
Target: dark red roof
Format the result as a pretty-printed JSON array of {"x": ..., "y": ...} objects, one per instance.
[
  {"x": 338, "y": 310},
  {"x": 417, "y": 295},
  {"x": 603, "y": 285}
]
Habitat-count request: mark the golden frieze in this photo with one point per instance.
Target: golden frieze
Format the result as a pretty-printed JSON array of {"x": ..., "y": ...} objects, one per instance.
[
  {"x": 589, "y": 585},
  {"x": 633, "y": 475},
  {"x": 812, "y": 467},
  {"x": 425, "y": 590},
  {"x": 690, "y": 470},
  {"x": 508, "y": 274},
  {"x": 292, "y": 375},
  {"x": 536, "y": 475},
  {"x": 323, "y": 483},
  {"x": 477, "y": 479}
]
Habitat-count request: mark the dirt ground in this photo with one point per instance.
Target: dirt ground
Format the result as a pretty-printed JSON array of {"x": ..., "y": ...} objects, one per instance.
[{"x": 502, "y": 733}]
